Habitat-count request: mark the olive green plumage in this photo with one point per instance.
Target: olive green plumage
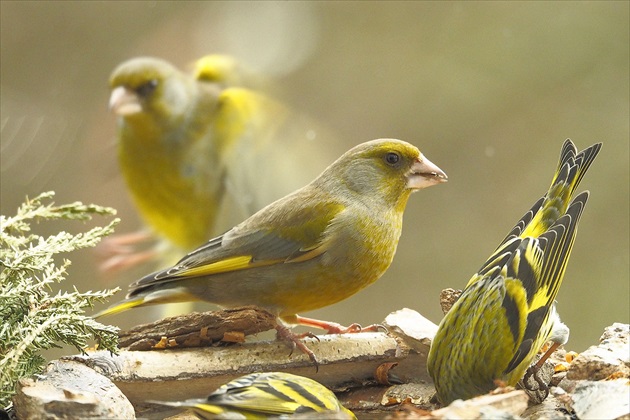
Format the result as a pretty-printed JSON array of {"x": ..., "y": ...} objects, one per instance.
[
  {"x": 507, "y": 312},
  {"x": 199, "y": 153},
  {"x": 310, "y": 249},
  {"x": 265, "y": 395},
  {"x": 165, "y": 126}
]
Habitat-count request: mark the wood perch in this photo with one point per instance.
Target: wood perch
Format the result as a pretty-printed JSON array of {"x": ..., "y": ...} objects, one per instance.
[
  {"x": 198, "y": 329},
  {"x": 360, "y": 367},
  {"x": 346, "y": 361}
]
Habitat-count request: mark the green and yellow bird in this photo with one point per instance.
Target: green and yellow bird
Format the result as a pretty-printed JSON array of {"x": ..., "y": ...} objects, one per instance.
[
  {"x": 166, "y": 148},
  {"x": 315, "y": 247},
  {"x": 199, "y": 153},
  {"x": 265, "y": 395},
  {"x": 507, "y": 312}
]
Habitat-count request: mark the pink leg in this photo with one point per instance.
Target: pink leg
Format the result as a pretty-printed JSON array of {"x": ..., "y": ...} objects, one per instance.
[
  {"x": 335, "y": 328},
  {"x": 545, "y": 356},
  {"x": 118, "y": 253}
]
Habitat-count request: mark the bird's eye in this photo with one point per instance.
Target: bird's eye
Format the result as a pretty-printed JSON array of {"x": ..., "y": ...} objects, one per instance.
[
  {"x": 148, "y": 88},
  {"x": 392, "y": 158}
]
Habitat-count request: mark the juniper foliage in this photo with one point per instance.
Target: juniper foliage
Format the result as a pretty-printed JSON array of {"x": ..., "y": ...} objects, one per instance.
[{"x": 32, "y": 317}]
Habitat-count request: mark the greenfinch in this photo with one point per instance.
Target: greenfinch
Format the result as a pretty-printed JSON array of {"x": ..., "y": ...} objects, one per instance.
[
  {"x": 507, "y": 311},
  {"x": 265, "y": 395},
  {"x": 198, "y": 154},
  {"x": 164, "y": 124},
  {"x": 315, "y": 247}
]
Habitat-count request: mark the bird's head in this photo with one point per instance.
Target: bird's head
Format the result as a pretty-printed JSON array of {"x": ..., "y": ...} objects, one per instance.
[
  {"x": 386, "y": 168},
  {"x": 148, "y": 86}
]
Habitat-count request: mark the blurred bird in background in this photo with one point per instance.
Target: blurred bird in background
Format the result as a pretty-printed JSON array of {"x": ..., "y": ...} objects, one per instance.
[
  {"x": 265, "y": 395},
  {"x": 507, "y": 311},
  {"x": 226, "y": 71},
  {"x": 198, "y": 153},
  {"x": 315, "y": 247}
]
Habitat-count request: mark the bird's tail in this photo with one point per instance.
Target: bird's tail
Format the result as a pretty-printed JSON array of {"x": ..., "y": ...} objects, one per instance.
[
  {"x": 121, "y": 306},
  {"x": 148, "y": 296},
  {"x": 547, "y": 215},
  {"x": 571, "y": 169}
]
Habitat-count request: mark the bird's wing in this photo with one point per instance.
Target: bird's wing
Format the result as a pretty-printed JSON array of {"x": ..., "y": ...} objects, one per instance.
[
  {"x": 295, "y": 232},
  {"x": 271, "y": 394},
  {"x": 538, "y": 266}
]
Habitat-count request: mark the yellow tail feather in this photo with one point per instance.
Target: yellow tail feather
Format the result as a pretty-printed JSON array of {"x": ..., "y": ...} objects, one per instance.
[{"x": 121, "y": 307}]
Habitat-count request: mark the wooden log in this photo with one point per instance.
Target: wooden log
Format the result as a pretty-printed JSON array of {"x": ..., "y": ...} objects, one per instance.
[
  {"x": 198, "y": 329},
  {"x": 346, "y": 361},
  {"x": 174, "y": 374},
  {"x": 356, "y": 366}
]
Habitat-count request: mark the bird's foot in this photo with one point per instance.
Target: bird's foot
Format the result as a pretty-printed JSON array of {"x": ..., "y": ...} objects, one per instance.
[
  {"x": 537, "y": 379},
  {"x": 335, "y": 328},
  {"x": 284, "y": 333},
  {"x": 535, "y": 383},
  {"x": 117, "y": 263},
  {"x": 118, "y": 252},
  {"x": 294, "y": 340}
]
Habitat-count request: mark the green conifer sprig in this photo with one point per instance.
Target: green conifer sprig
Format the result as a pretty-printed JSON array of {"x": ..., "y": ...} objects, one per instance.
[{"x": 32, "y": 319}]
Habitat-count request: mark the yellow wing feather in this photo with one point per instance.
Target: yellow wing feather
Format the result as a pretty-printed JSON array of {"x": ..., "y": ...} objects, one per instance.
[{"x": 260, "y": 395}]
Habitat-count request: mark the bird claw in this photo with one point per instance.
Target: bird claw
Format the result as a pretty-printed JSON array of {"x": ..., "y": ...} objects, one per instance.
[
  {"x": 533, "y": 374},
  {"x": 284, "y": 333},
  {"x": 354, "y": 328},
  {"x": 293, "y": 340},
  {"x": 537, "y": 377},
  {"x": 335, "y": 328},
  {"x": 535, "y": 382},
  {"x": 375, "y": 328},
  {"x": 307, "y": 334}
]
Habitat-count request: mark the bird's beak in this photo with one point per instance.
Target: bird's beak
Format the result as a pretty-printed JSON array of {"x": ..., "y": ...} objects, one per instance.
[
  {"x": 425, "y": 173},
  {"x": 124, "y": 101}
]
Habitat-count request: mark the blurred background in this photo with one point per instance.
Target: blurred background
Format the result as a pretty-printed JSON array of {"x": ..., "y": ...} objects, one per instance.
[{"x": 487, "y": 90}]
